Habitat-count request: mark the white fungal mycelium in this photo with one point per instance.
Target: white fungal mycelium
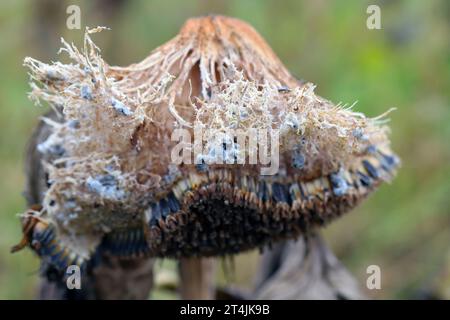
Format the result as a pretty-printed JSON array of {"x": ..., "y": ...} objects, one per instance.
[{"x": 109, "y": 151}]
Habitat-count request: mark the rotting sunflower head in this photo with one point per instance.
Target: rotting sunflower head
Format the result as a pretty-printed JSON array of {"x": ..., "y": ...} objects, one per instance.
[{"x": 113, "y": 182}]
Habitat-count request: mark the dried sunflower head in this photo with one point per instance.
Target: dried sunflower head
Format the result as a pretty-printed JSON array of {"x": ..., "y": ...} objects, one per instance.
[{"x": 114, "y": 183}]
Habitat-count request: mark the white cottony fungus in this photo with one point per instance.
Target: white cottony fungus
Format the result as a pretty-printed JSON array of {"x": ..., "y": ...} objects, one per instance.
[
  {"x": 106, "y": 187},
  {"x": 121, "y": 108},
  {"x": 110, "y": 160}
]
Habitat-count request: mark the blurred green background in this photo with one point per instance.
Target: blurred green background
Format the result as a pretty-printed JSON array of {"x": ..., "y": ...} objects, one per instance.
[{"x": 404, "y": 227}]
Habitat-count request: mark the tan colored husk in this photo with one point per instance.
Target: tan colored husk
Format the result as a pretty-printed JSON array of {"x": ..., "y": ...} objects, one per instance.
[{"x": 117, "y": 121}]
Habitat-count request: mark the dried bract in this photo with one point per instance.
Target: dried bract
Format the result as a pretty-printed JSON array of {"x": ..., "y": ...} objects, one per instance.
[{"x": 114, "y": 186}]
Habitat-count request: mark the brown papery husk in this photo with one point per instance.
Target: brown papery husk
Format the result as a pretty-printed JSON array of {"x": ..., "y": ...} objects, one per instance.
[{"x": 117, "y": 121}]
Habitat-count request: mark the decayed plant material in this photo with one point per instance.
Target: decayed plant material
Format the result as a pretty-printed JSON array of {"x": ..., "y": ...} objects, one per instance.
[{"x": 113, "y": 184}]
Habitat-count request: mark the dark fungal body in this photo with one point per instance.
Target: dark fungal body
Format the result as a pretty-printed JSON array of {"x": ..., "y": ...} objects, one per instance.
[
  {"x": 44, "y": 241},
  {"x": 224, "y": 211}
]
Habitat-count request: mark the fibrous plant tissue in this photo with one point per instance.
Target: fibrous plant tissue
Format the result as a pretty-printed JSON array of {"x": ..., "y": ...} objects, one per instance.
[{"x": 109, "y": 151}]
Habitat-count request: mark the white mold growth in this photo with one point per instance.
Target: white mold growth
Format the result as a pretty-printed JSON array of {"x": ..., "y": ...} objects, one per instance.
[{"x": 111, "y": 154}]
